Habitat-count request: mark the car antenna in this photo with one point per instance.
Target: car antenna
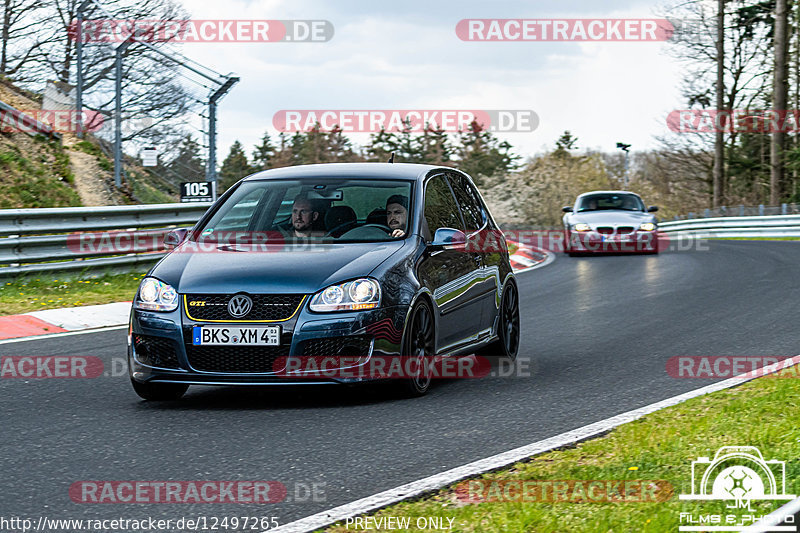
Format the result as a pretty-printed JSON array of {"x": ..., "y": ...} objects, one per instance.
[{"x": 391, "y": 159}]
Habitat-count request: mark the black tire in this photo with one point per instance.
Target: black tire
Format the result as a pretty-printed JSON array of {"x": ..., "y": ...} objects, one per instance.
[
  {"x": 420, "y": 342},
  {"x": 159, "y": 392},
  {"x": 508, "y": 327}
]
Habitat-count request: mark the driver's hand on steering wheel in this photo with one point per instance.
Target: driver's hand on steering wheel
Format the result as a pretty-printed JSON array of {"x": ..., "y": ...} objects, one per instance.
[{"x": 398, "y": 233}]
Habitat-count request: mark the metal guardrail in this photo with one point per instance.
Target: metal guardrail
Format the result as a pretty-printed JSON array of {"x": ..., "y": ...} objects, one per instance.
[
  {"x": 743, "y": 227},
  {"x": 28, "y": 124},
  {"x": 743, "y": 210},
  {"x": 43, "y": 240}
]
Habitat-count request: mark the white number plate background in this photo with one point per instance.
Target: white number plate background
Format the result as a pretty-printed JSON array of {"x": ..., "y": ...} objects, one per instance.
[{"x": 235, "y": 335}]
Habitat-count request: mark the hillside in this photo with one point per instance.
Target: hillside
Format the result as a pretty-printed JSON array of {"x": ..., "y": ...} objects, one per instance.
[{"x": 40, "y": 172}]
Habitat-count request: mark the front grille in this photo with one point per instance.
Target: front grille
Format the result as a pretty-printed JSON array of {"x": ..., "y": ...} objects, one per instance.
[
  {"x": 155, "y": 351},
  {"x": 624, "y": 229},
  {"x": 236, "y": 359},
  {"x": 336, "y": 346},
  {"x": 265, "y": 307},
  {"x": 605, "y": 230}
]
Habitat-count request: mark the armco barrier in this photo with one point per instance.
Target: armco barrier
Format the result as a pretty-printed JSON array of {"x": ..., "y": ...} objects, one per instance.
[
  {"x": 742, "y": 227},
  {"x": 36, "y": 240}
]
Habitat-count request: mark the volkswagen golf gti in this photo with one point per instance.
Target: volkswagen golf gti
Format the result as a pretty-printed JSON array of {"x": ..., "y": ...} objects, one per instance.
[{"x": 348, "y": 262}]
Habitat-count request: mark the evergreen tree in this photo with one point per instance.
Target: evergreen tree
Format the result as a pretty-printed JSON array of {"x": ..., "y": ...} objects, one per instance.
[
  {"x": 263, "y": 154},
  {"x": 234, "y": 167},
  {"x": 188, "y": 164}
]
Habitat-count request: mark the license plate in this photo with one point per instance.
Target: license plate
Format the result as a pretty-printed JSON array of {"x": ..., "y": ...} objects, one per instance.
[{"x": 236, "y": 336}]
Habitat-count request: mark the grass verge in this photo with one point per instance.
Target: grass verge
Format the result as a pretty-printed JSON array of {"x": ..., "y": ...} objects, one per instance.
[
  {"x": 660, "y": 446},
  {"x": 27, "y": 294}
]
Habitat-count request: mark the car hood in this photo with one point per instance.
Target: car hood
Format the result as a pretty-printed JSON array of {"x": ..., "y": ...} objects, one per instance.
[
  {"x": 612, "y": 217},
  {"x": 277, "y": 270}
]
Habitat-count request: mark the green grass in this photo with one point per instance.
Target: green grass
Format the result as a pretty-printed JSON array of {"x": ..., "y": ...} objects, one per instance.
[
  {"x": 27, "y": 294},
  {"x": 39, "y": 176},
  {"x": 660, "y": 446}
]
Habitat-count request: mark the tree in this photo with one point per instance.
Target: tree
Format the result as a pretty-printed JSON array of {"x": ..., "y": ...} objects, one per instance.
[
  {"x": 234, "y": 167},
  {"x": 18, "y": 43},
  {"x": 780, "y": 92},
  {"x": 481, "y": 155},
  {"x": 565, "y": 143},
  {"x": 188, "y": 164},
  {"x": 263, "y": 154}
]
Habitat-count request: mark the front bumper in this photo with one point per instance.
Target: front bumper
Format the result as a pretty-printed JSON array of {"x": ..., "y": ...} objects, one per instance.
[
  {"x": 595, "y": 242},
  {"x": 160, "y": 349}
]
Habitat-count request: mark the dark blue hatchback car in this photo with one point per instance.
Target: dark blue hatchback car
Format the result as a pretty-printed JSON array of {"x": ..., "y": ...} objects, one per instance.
[{"x": 344, "y": 262}]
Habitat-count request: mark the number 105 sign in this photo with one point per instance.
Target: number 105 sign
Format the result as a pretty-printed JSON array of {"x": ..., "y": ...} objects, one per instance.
[{"x": 198, "y": 191}]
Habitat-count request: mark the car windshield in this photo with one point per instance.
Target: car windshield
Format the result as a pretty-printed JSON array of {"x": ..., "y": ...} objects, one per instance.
[
  {"x": 597, "y": 202},
  {"x": 318, "y": 209}
]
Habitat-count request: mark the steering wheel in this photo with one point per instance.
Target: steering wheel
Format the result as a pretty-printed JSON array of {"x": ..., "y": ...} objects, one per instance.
[
  {"x": 340, "y": 229},
  {"x": 385, "y": 228},
  {"x": 367, "y": 231}
]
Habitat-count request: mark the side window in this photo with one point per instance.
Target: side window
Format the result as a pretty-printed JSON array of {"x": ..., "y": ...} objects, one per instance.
[
  {"x": 441, "y": 210},
  {"x": 468, "y": 201},
  {"x": 238, "y": 217}
]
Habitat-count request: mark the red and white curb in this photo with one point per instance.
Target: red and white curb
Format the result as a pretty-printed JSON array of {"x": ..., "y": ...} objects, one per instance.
[
  {"x": 64, "y": 320},
  {"x": 529, "y": 257}
]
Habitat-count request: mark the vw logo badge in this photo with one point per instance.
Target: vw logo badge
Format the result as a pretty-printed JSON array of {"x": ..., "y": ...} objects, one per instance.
[{"x": 240, "y": 305}]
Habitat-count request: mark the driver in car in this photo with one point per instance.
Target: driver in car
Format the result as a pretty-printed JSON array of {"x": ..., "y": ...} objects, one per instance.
[{"x": 397, "y": 214}]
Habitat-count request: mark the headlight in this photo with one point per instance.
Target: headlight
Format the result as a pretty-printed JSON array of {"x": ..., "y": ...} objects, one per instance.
[
  {"x": 580, "y": 226},
  {"x": 353, "y": 295},
  {"x": 647, "y": 226},
  {"x": 155, "y": 295}
]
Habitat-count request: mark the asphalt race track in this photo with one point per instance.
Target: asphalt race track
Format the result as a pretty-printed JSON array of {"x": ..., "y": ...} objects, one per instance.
[{"x": 597, "y": 333}]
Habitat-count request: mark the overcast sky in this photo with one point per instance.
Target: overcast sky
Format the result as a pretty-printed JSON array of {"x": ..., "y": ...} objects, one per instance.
[{"x": 406, "y": 55}]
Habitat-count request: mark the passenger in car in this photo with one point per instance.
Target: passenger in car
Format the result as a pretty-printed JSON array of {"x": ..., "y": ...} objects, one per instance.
[
  {"x": 304, "y": 215},
  {"x": 397, "y": 214}
]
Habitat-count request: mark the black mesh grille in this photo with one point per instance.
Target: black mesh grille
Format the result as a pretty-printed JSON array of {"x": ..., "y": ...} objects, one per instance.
[
  {"x": 341, "y": 346},
  {"x": 625, "y": 229},
  {"x": 265, "y": 306},
  {"x": 236, "y": 359},
  {"x": 155, "y": 351},
  {"x": 239, "y": 359}
]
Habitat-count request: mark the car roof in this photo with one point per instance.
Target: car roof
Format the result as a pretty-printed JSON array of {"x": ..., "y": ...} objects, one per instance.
[
  {"x": 607, "y": 192},
  {"x": 408, "y": 171}
]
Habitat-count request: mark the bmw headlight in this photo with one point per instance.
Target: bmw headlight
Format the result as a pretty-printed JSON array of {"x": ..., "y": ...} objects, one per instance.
[
  {"x": 580, "y": 226},
  {"x": 353, "y": 295},
  {"x": 647, "y": 226},
  {"x": 155, "y": 295}
]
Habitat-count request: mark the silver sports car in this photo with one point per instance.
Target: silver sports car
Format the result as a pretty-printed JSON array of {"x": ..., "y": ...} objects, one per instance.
[{"x": 611, "y": 222}]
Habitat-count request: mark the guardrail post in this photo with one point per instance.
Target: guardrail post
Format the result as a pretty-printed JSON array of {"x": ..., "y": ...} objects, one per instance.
[
  {"x": 784, "y": 209},
  {"x": 690, "y": 215},
  {"x": 761, "y": 210},
  {"x": 707, "y": 213},
  {"x": 741, "y": 210}
]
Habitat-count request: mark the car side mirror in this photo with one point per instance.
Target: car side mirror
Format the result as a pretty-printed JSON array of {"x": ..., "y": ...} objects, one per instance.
[
  {"x": 652, "y": 209},
  {"x": 448, "y": 238},
  {"x": 175, "y": 237},
  {"x": 566, "y": 209}
]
